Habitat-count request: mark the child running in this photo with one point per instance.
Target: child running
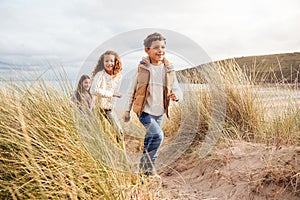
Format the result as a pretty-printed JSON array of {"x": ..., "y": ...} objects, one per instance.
[
  {"x": 149, "y": 97},
  {"x": 107, "y": 76}
]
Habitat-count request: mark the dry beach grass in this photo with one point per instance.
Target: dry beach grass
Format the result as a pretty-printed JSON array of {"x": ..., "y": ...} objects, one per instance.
[{"x": 44, "y": 155}]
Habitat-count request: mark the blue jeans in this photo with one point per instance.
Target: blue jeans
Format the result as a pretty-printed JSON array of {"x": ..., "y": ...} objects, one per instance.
[{"x": 152, "y": 141}]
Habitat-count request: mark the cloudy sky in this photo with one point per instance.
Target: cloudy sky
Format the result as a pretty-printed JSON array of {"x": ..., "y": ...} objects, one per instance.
[{"x": 66, "y": 32}]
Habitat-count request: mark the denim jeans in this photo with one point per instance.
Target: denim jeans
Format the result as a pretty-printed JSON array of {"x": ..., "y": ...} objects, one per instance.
[{"x": 152, "y": 141}]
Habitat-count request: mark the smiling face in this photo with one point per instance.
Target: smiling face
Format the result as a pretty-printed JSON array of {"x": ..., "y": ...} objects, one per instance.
[
  {"x": 156, "y": 52},
  {"x": 109, "y": 63},
  {"x": 86, "y": 84}
]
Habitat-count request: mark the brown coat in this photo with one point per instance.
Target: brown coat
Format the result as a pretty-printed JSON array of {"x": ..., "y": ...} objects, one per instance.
[{"x": 142, "y": 88}]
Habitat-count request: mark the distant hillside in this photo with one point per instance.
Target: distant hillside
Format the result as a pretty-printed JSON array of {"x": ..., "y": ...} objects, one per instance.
[{"x": 283, "y": 67}]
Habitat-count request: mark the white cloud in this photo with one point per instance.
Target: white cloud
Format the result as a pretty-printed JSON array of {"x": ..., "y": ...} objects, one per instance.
[{"x": 68, "y": 31}]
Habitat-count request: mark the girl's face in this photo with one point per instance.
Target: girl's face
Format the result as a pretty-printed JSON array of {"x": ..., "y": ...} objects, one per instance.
[
  {"x": 86, "y": 84},
  {"x": 109, "y": 63}
]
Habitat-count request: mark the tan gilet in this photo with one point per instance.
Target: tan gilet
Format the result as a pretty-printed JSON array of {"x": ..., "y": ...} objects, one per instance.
[{"x": 142, "y": 89}]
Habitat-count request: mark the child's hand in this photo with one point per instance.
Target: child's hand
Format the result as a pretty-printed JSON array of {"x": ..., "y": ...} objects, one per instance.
[
  {"x": 126, "y": 116},
  {"x": 173, "y": 97},
  {"x": 118, "y": 95}
]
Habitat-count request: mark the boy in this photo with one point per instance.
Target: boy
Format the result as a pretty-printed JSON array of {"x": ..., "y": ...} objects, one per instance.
[{"x": 149, "y": 97}]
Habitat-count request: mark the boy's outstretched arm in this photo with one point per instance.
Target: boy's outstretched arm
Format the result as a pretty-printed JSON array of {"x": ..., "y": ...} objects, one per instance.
[
  {"x": 131, "y": 92},
  {"x": 176, "y": 94}
]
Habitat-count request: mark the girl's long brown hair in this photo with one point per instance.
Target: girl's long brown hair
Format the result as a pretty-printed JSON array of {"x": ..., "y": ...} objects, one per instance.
[
  {"x": 80, "y": 90},
  {"x": 100, "y": 65}
]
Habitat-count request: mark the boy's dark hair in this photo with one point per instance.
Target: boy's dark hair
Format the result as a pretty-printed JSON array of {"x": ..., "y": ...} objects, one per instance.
[{"x": 153, "y": 37}]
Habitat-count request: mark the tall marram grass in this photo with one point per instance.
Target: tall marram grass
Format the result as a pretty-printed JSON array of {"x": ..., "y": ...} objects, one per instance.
[
  {"x": 243, "y": 113},
  {"x": 246, "y": 110},
  {"x": 252, "y": 115},
  {"x": 43, "y": 156}
]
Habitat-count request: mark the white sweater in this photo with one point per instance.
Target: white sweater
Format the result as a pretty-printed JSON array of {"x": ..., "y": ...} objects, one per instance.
[{"x": 103, "y": 87}]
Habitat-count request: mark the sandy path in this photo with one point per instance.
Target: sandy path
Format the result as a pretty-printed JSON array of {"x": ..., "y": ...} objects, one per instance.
[{"x": 239, "y": 171}]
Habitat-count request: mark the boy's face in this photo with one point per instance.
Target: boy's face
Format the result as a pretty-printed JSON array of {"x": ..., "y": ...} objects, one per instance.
[{"x": 156, "y": 52}]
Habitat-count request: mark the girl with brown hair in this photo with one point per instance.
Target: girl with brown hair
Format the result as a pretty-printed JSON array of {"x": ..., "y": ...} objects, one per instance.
[{"x": 106, "y": 79}]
